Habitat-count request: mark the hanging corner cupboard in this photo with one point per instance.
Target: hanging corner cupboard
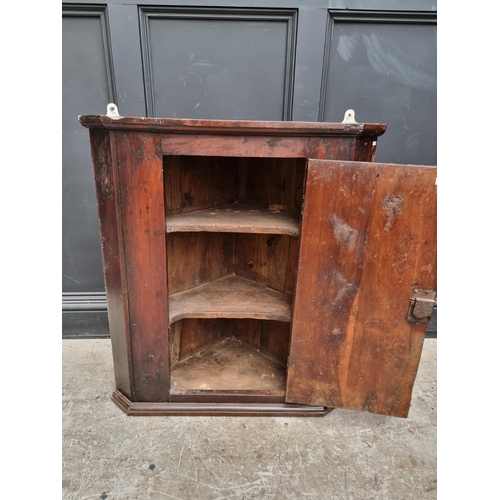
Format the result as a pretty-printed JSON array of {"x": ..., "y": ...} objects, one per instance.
[{"x": 261, "y": 268}]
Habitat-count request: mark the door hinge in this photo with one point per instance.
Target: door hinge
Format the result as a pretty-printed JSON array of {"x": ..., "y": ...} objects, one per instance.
[{"x": 422, "y": 304}]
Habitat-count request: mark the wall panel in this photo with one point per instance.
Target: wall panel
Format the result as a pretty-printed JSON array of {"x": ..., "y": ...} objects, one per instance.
[
  {"x": 87, "y": 87},
  {"x": 224, "y": 64},
  {"x": 383, "y": 65}
]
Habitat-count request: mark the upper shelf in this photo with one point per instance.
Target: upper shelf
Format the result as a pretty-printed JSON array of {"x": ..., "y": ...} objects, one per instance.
[{"x": 236, "y": 218}]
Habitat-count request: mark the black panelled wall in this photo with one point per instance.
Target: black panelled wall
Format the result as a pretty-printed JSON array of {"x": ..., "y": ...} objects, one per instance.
[{"x": 307, "y": 60}]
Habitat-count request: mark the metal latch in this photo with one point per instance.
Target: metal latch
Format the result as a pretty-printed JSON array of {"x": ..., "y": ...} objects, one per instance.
[{"x": 422, "y": 304}]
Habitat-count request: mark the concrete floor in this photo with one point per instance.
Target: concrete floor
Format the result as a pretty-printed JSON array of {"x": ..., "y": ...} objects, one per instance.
[{"x": 345, "y": 455}]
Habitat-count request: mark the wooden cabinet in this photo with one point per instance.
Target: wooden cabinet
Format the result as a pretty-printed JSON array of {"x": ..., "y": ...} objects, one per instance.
[{"x": 261, "y": 268}]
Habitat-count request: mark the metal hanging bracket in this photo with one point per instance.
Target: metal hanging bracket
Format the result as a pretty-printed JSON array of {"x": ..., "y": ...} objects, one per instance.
[
  {"x": 349, "y": 117},
  {"x": 112, "y": 111}
]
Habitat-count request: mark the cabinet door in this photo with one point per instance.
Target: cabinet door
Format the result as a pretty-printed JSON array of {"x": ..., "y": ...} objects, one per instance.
[{"x": 368, "y": 243}]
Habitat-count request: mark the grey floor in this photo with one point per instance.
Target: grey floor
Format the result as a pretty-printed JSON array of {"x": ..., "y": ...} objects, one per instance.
[{"x": 345, "y": 455}]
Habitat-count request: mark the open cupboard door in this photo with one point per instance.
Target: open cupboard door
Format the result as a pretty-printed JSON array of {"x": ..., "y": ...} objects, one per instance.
[{"x": 366, "y": 285}]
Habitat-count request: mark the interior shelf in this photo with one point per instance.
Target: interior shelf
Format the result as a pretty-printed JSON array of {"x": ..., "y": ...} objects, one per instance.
[
  {"x": 230, "y": 297},
  {"x": 237, "y": 218},
  {"x": 229, "y": 365}
]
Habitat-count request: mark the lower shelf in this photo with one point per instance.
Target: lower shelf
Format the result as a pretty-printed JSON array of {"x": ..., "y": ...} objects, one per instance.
[
  {"x": 216, "y": 409},
  {"x": 229, "y": 365}
]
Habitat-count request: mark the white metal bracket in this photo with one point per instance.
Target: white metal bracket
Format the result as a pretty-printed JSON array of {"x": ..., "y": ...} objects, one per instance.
[
  {"x": 349, "y": 116},
  {"x": 113, "y": 111}
]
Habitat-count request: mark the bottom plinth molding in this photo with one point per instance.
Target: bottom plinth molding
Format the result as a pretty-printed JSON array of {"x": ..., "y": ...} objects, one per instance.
[{"x": 217, "y": 409}]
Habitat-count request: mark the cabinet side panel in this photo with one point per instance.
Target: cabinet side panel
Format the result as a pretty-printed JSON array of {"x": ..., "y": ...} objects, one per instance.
[
  {"x": 143, "y": 219},
  {"x": 365, "y": 148},
  {"x": 106, "y": 182}
]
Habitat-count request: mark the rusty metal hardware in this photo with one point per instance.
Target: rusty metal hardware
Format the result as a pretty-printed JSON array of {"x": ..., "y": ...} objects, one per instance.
[{"x": 422, "y": 304}]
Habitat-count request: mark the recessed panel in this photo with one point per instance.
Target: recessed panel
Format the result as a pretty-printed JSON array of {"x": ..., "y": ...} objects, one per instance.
[
  {"x": 221, "y": 69},
  {"x": 85, "y": 90},
  {"x": 387, "y": 74}
]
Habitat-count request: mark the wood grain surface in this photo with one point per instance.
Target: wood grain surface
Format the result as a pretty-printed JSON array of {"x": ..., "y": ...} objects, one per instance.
[
  {"x": 198, "y": 182},
  {"x": 236, "y": 218},
  {"x": 216, "y": 409},
  {"x": 368, "y": 239},
  {"x": 103, "y": 146},
  {"x": 230, "y": 297},
  {"x": 174, "y": 295},
  {"x": 229, "y": 364},
  {"x": 231, "y": 127},
  {"x": 140, "y": 171}
]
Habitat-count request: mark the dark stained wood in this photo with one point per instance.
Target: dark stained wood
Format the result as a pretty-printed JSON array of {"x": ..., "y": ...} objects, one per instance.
[
  {"x": 188, "y": 273},
  {"x": 300, "y": 185},
  {"x": 236, "y": 146},
  {"x": 228, "y": 397},
  {"x": 176, "y": 296},
  {"x": 400, "y": 256},
  {"x": 195, "y": 183},
  {"x": 334, "y": 226},
  {"x": 140, "y": 172},
  {"x": 230, "y": 297},
  {"x": 228, "y": 364},
  {"x": 369, "y": 238},
  {"x": 327, "y": 149},
  {"x": 174, "y": 339},
  {"x": 247, "y": 330},
  {"x": 365, "y": 149},
  {"x": 271, "y": 338},
  {"x": 188, "y": 337},
  {"x": 291, "y": 267},
  {"x": 236, "y": 218},
  {"x": 232, "y": 127},
  {"x": 198, "y": 258},
  {"x": 216, "y": 409},
  {"x": 198, "y": 333},
  {"x": 271, "y": 182},
  {"x": 275, "y": 340},
  {"x": 264, "y": 259},
  {"x": 263, "y": 146},
  {"x": 113, "y": 255}
]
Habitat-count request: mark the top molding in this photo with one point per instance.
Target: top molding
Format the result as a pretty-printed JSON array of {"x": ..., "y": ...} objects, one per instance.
[{"x": 231, "y": 127}]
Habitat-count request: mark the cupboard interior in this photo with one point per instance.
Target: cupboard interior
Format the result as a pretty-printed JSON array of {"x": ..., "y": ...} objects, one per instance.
[{"x": 232, "y": 234}]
